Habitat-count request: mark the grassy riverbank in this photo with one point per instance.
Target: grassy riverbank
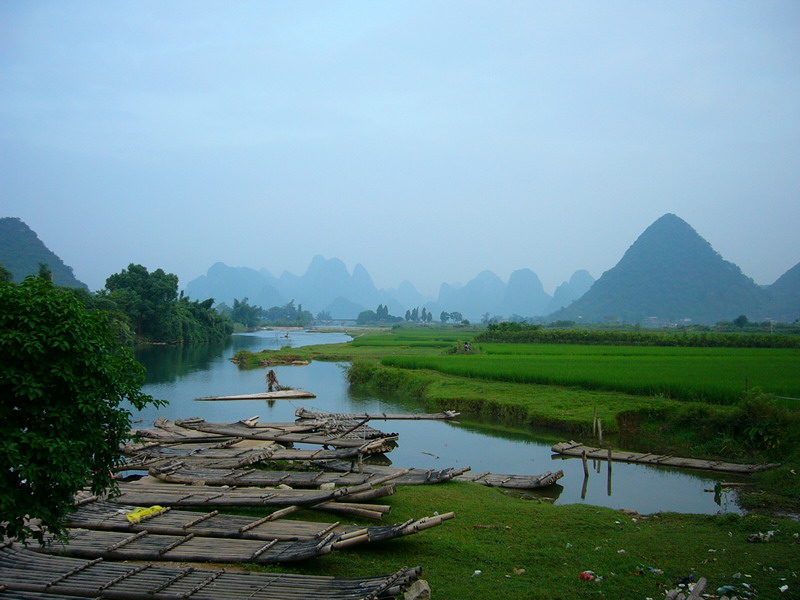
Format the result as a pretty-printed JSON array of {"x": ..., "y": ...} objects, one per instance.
[
  {"x": 703, "y": 418},
  {"x": 528, "y": 549}
]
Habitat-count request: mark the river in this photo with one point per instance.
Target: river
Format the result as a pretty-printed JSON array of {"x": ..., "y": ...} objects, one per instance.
[{"x": 179, "y": 374}]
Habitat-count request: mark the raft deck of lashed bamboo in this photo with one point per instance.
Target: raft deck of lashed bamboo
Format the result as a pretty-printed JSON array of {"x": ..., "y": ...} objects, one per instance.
[
  {"x": 25, "y": 572},
  {"x": 278, "y": 395},
  {"x": 422, "y": 476},
  {"x": 181, "y": 472},
  {"x": 572, "y": 448},
  {"x": 518, "y": 482},
  {"x": 95, "y": 514},
  {"x": 116, "y": 545},
  {"x": 380, "y": 442},
  {"x": 302, "y": 413},
  {"x": 401, "y": 476},
  {"x": 207, "y": 457},
  {"x": 166, "y": 431},
  {"x": 219, "y": 458},
  {"x": 343, "y": 474},
  {"x": 144, "y": 493}
]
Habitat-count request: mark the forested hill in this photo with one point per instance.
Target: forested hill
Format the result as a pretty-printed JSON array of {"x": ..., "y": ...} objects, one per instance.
[
  {"x": 21, "y": 252},
  {"x": 670, "y": 273},
  {"x": 785, "y": 294}
]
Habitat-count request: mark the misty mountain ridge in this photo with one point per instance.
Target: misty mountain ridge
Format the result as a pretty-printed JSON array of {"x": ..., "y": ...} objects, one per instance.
[
  {"x": 670, "y": 274},
  {"x": 327, "y": 286},
  {"x": 21, "y": 252}
]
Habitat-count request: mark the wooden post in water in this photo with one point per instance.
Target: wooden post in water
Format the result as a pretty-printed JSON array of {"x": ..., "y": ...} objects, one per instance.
[
  {"x": 585, "y": 464},
  {"x": 594, "y": 422},
  {"x": 609, "y": 460},
  {"x": 600, "y": 430}
]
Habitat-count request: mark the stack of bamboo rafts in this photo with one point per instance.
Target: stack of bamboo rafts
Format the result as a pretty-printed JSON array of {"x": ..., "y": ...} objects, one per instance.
[
  {"x": 222, "y": 460},
  {"x": 27, "y": 575}
]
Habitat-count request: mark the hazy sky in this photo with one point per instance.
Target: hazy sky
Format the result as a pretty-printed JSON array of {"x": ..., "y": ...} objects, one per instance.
[{"x": 426, "y": 140}]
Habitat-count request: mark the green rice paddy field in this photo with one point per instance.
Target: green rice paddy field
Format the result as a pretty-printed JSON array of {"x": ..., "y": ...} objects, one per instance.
[{"x": 717, "y": 375}]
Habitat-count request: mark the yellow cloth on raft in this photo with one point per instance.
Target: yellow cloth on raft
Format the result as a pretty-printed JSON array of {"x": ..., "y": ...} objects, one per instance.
[{"x": 142, "y": 513}]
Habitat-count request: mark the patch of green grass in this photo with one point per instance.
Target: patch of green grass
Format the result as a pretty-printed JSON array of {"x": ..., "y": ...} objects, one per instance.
[
  {"x": 717, "y": 375},
  {"x": 528, "y": 549}
]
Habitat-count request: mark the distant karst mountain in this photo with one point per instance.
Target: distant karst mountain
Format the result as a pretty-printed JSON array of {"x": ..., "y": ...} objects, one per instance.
[
  {"x": 670, "y": 274},
  {"x": 21, "y": 252},
  {"x": 569, "y": 291},
  {"x": 325, "y": 286},
  {"x": 785, "y": 296},
  {"x": 328, "y": 286}
]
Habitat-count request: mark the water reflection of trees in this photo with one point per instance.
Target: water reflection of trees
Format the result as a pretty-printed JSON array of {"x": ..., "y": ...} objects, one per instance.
[{"x": 165, "y": 364}]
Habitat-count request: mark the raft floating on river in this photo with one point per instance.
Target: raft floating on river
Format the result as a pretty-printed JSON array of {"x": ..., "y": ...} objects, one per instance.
[
  {"x": 572, "y": 448},
  {"x": 279, "y": 395}
]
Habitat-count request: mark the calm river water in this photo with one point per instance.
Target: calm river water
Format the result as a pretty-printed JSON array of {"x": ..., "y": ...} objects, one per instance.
[{"x": 181, "y": 374}]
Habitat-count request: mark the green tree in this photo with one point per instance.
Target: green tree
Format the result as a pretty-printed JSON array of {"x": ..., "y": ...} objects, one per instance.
[
  {"x": 741, "y": 321},
  {"x": 66, "y": 384},
  {"x": 443, "y": 316},
  {"x": 45, "y": 272},
  {"x": 367, "y": 316},
  {"x": 148, "y": 299},
  {"x": 246, "y": 314},
  {"x": 5, "y": 274}
]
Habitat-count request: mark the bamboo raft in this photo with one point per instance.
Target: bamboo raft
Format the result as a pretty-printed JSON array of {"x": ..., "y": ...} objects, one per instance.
[
  {"x": 219, "y": 458},
  {"x": 155, "y": 456},
  {"x": 401, "y": 476},
  {"x": 25, "y": 572},
  {"x": 517, "y": 482},
  {"x": 144, "y": 493},
  {"x": 181, "y": 472},
  {"x": 167, "y": 431},
  {"x": 302, "y": 413},
  {"x": 278, "y": 395},
  {"x": 245, "y": 429},
  {"x": 93, "y": 514},
  {"x": 421, "y": 476},
  {"x": 117, "y": 545},
  {"x": 572, "y": 448}
]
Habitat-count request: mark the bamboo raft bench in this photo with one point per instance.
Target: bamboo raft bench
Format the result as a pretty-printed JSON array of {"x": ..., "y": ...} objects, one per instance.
[
  {"x": 24, "y": 573},
  {"x": 349, "y": 439},
  {"x": 302, "y": 413},
  {"x": 277, "y": 395},
  {"x": 401, "y": 476},
  {"x": 98, "y": 515},
  {"x": 517, "y": 482},
  {"x": 572, "y": 448}
]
